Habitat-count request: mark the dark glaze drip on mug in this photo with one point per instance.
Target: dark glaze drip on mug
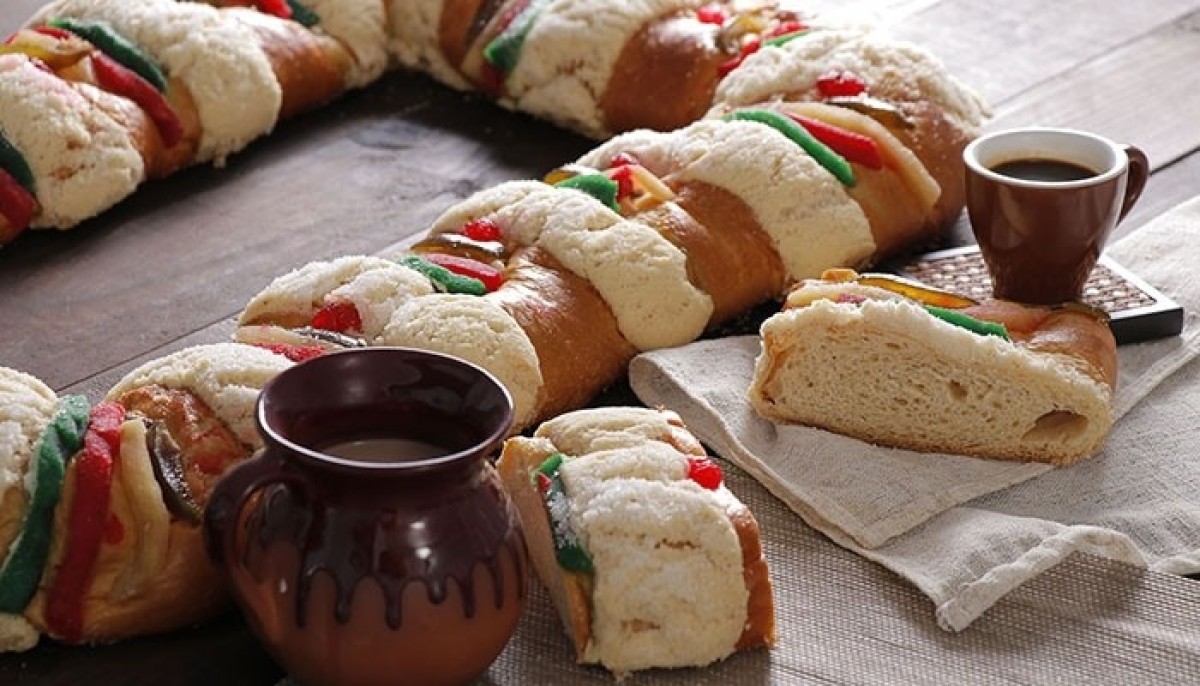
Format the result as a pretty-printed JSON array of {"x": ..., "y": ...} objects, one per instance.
[
  {"x": 385, "y": 543},
  {"x": 318, "y": 549}
]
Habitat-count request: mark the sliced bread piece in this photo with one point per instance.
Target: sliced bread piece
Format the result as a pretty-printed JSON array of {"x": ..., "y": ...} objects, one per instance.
[
  {"x": 866, "y": 357},
  {"x": 649, "y": 559}
]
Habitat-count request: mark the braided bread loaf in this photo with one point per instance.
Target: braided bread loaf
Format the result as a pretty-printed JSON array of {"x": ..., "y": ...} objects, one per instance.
[
  {"x": 100, "y": 503},
  {"x": 97, "y": 96},
  {"x": 645, "y": 242},
  {"x": 135, "y": 91}
]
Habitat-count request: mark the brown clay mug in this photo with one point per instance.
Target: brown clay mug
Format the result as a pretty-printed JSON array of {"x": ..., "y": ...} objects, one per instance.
[
  {"x": 370, "y": 541},
  {"x": 1042, "y": 204}
]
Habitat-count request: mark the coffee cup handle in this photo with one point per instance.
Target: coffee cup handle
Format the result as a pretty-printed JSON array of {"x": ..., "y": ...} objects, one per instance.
[
  {"x": 229, "y": 498},
  {"x": 1139, "y": 173}
]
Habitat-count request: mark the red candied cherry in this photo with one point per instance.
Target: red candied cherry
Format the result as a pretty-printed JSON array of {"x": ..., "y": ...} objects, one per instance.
[
  {"x": 784, "y": 28},
  {"x": 704, "y": 472},
  {"x": 482, "y": 229},
  {"x": 623, "y": 175},
  {"x": 52, "y": 31},
  {"x": 275, "y": 8},
  {"x": 17, "y": 205},
  {"x": 492, "y": 79},
  {"x": 295, "y": 353},
  {"x": 338, "y": 315},
  {"x": 712, "y": 14},
  {"x": 748, "y": 48},
  {"x": 622, "y": 159},
  {"x": 840, "y": 83}
]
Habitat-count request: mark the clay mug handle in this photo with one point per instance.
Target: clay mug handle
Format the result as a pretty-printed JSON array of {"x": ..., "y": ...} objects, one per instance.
[
  {"x": 233, "y": 490},
  {"x": 1139, "y": 173}
]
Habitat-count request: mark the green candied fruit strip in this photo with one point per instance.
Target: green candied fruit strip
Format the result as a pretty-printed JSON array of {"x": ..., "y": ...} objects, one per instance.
[
  {"x": 833, "y": 163},
  {"x": 550, "y": 466},
  {"x": 597, "y": 185},
  {"x": 968, "y": 322},
  {"x": 784, "y": 39},
  {"x": 303, "y": 15},
  {"x": 568, "y": 549},
  {"x": 504, "y": 51},
  {"x": 116, "y": 46},
  {"x": 70, "y": 422},
  {"x": 443, "y": 279},
  {"x": 13, "y": 162},
  {"x": 22, "y": 568}
]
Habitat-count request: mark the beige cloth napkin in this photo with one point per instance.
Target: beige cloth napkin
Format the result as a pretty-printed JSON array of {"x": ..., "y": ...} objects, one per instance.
[{"x": 965, "y": 530}]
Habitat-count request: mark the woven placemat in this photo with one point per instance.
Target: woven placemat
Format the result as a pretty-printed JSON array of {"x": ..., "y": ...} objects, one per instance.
[
  {"x": 845, "y": 620},
  {"x": 1138, "y": 311}
]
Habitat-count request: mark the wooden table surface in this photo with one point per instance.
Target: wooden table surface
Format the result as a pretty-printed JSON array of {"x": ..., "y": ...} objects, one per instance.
[{"x": 170, "y": 266}]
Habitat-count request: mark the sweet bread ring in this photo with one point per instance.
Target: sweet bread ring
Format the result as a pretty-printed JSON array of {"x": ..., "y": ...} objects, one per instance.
[{"x": 128, "y": 557}]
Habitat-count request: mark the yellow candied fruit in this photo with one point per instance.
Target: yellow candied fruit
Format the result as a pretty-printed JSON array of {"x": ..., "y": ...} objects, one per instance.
[
  {"x": 839, "y": 275},
  {"x": 651, "y": 184},
  {"x": 926, "y": 295},
  {"x": 567, "y": 171},
  {"x": 57, "y": 53}
]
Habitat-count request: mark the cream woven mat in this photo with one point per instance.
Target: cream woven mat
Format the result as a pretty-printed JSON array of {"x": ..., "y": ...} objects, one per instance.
[{"x": 843, "y": 619}]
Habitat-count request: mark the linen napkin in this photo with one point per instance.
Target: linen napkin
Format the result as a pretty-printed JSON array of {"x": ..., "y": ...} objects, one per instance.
[{"x": 967, "y": 530}]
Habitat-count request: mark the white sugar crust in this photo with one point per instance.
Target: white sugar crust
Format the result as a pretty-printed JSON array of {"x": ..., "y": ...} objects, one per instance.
[
  {"x": 477, "y": 330},
  {"x": 892, "y": 69},
  {"x": 414, "y": 26},
  {"x": 83, "y": 161},
  {"x": 640, "y": 274},
  {"x": 219, "y": 60},
  {"x": 374, "y": 285},
  {"x": 812, "y": 221},
  {"x": 668, "y": 587},
  {"x": 569, "y": 56},
  {"x": 26, "y": 407},
  {"x": 226, "y": 376},
  {"x": 361, "y": 26}
]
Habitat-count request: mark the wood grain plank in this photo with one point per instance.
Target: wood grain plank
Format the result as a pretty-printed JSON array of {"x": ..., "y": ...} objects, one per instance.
[
  {"x": 1144, "y": 92},
  {"x": 1170, "y": 186},
  {"x": 13, "y": 13},
  {"x": 1006, "y": 48},
  {"x": 880, "y": 12}
]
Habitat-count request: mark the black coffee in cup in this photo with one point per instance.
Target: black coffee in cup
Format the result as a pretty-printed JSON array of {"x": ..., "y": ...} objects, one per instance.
[{"x": 1043, "y": 169}]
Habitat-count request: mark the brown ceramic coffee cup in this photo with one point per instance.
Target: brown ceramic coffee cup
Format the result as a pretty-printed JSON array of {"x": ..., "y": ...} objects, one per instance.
[
  {"x": 370, "y": 542},
  {"x": 1042, "y": 204}
]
